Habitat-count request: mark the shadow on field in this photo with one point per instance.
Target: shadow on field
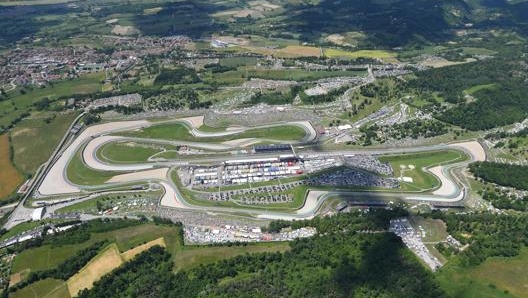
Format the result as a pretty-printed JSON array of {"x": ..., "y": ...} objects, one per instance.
[
  {"x": 19, "y": 22},
  {"x": 191, "y": 18},
  {"x": 389, "y": 23}
]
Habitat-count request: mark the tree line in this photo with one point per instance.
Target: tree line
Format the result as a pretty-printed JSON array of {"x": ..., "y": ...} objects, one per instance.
[{"x": 503, "y": 174}]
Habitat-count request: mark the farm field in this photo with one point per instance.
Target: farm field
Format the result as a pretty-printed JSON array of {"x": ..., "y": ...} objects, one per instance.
[
  {"x": 53, "y": 288},
  {"x": 412, "y": 165},
  {"x": 16, "y": 105},
  {"x": 290, "y": 51},
  {"x": 131, "y": 253},
  {"x": 30, "y": 149},
  {"x": 10, "y": 178},
  {"x": 496, "y": 277},
  {"x": 103, "y": 263},
  {"x": 374, "y": 54}
]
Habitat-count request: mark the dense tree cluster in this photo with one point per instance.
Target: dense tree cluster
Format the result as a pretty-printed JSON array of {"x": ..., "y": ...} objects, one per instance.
[
  {"x": 272, "y": 98},
  {"x": 176, "y": 99},
  {"x": 502, "y": 174},
  {"x": 500, "y": 101},
  {"x": 416, "y": 128},
  {"x": 217, "y": 68},
  {"x": 498, "y": 106},
  {"x": 180, "y": 75},
  {"x": 381, "y": 90}
]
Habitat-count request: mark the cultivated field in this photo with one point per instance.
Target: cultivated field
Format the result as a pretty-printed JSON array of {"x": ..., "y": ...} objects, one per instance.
[
  {"x": 16, "y": 105},
  {"x": 131, "y": 253},
  {"x": 495, "y": 278},
  {"x": 34, "y": 140},
  {"x": 374, "y": 54},
  {"x": 10, "y": 178},
  {"x": 102, "y": 264},
  {"x": 290, "y": 51},
  {"x": 47, "y": 288}
]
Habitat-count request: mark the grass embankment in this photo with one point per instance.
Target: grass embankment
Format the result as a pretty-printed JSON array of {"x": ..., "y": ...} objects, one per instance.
[
  {"x": 414, "y": 165},
  {"x": 495, "y": 278},
  {"x": 192, "y": 256},
  {"x": 90, "y": 206},
  {"x": 34, "y": 140},
  {"x": 10, "y": 178},
  {"x": 22, "y": 227},
  {"x": 180, "y": 132},
  {"x": 126, "y": 242}
]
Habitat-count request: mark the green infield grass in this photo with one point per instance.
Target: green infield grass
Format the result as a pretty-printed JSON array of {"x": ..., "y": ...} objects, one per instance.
[
  {"x": 78, "y": 173},
  {"x": 412, "y": 165},
  {"x": 130, "y": 152},
  {"x": 179, "y": 131}
]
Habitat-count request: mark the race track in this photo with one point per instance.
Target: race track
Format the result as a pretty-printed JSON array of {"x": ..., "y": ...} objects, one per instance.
[{"x": 90, "y": 141}]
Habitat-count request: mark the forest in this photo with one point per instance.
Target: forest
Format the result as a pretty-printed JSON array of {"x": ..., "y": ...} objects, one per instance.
[
  {"x": 499, "y": 101},
  {"x": 344, "y": 261},
  {"x": 502, "y": 174}
]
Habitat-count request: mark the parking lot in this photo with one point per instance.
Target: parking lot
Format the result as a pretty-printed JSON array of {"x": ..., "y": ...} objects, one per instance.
[
  {"x": 229, "y": 233},
  {"x": 413, "y": 240}
]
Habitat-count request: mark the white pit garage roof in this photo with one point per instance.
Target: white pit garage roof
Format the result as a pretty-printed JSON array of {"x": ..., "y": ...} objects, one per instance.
[{"x": 38, "y": 213}]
